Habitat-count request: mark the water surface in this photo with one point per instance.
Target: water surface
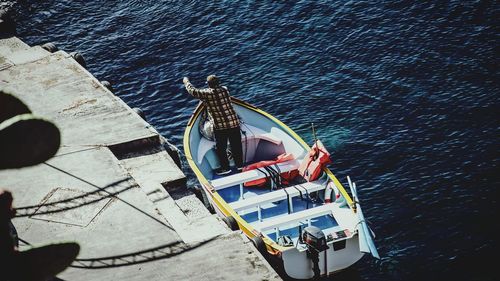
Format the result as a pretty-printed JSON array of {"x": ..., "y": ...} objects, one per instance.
[{"x": 404, "y": 94}]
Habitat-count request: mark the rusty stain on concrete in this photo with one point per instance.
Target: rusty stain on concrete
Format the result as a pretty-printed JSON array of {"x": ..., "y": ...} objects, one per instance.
[{"x": 79, "y": 103}]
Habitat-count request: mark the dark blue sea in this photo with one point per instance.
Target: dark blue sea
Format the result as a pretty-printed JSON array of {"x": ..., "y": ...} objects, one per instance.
[{"x": 405, "y": 95}]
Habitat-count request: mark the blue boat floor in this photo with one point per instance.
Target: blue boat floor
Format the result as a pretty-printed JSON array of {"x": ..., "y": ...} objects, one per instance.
[{"x": 232, "y": 194}]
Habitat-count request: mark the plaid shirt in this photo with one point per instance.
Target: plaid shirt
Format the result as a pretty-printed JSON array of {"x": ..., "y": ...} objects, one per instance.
[{"x": 219, "y": 105}]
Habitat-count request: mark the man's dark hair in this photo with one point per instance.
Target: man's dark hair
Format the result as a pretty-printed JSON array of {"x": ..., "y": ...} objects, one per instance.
[{"x": 213, "y": 81}]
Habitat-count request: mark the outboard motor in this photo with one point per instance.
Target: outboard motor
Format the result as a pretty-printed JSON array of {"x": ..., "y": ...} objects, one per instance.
[{"x": 315, "y": 240}]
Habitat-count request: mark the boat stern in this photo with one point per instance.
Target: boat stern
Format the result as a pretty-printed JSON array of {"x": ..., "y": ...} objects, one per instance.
[{"x": 339, "y": 255}]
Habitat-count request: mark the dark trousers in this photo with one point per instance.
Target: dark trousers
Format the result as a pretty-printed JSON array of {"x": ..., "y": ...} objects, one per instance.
[{"x": 234, "y": 137}]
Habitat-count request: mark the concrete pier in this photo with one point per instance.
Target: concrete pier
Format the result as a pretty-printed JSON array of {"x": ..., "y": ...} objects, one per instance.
[{"x": 108, "y": 186}]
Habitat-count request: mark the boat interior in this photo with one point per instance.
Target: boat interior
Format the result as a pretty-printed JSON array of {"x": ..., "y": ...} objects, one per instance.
[{"x": 278, "y": 207}]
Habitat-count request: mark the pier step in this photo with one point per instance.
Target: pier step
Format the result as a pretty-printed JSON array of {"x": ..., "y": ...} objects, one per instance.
[
  {"x": 187, "y": 215},
  {"x": 11, "y": 45},
  {"x": 14, "y": 52}
]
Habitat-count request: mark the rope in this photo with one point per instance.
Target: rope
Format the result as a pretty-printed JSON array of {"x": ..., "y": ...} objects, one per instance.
[
  {"x": 279, "y": 176},
  {"x": 246, "y": 146},
  {"x": 308, "y": 198},
  {"x": 275, "y": 176},
  {"x": 300, "y": 191},
  {"x": 272, "y": 177},
  {"x": 263, "y": 171}
]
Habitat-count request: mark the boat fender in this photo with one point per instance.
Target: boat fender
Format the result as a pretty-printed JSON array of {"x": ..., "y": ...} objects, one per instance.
[
  {"x": 336, "y": 197},
  {"x": 206, "y": 125},
  {"x": 107, "y": 85},
  {"x": 260, "y": 245},
  {"x": 140, "y": 113},
  {"x": 78, "y": 58},
  {"x": 50, "y": 47},
  {"x": 231, "y": 223}
]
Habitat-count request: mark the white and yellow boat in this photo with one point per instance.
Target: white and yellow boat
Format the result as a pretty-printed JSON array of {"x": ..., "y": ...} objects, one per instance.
[{"x": 314, "y": 227}]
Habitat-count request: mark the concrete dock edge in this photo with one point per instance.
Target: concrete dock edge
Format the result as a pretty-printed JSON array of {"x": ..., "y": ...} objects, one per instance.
[{"x": 107, "y": 188}]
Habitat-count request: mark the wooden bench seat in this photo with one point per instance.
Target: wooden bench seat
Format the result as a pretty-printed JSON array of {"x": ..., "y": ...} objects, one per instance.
[
  {"x": 294, "y": 217},
  {"x": 280, "y": 194}
]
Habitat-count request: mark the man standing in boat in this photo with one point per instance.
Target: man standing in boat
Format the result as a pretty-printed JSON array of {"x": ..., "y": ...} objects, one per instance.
[{"x": 226, "y": 123}]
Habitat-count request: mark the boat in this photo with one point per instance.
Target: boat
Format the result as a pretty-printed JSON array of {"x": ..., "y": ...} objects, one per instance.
[{"x": 310, "y": 224}]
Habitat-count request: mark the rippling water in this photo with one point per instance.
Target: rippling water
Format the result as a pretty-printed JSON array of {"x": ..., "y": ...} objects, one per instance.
[{"x": 404, "y": 94}]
